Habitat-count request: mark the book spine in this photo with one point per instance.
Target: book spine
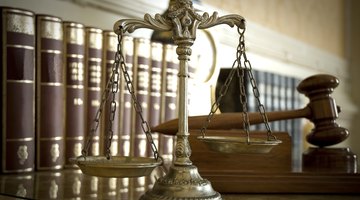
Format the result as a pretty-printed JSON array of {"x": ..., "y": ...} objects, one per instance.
[
  {"x": 142, "y": 50},
  {"x": 260, "y": 80},
  {"x": 155, "y": 91},
  {"x": 74, "y": 52},
  {"x": 169, "y": 98},
  {"x": 288, "y": 98},
  {"x": 93, "y": 61},
  {"x": 297, "y": 133},
  {"x": 268, "y": 94},
  {"x": 282, "y": 99},
  {"x": 126, "y": 103},
  {"x": 275, "y": 95},
  {"x": 50, "y": 93},
  {"x": 251, "y": 101},
  {"x": 109, "y": 51},
  {"x": 18, "y": 90}
]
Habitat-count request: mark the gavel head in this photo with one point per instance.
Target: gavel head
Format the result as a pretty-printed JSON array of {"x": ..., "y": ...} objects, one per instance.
[{"x": 324, "y": 112}]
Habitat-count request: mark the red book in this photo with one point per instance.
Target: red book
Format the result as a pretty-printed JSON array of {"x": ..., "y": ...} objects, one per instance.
[
  {"x": 109, "y": 50},
  {"x": 169, "y": 98},
  {"x": 18, "y": 90},
  {"x": 74, "y": 53},
  {"x": 50, "y": 94},
  {"x": 93, "y": 62}
]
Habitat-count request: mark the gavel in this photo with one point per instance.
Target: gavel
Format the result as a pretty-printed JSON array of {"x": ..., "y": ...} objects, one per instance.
[{"x": 321, "y": 110}]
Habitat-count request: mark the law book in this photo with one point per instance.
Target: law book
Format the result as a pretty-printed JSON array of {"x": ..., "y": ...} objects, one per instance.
[
  {"x": 251, "y": 100},
  {"x": 282, "y": 101},
  {"x": 109, "y": 51},
  {"x": 126, "y": 105},
  {"x": 289, "y": 102},
  {"x": 169, "y": 97},
  {"x": 74, "y": 61},
  {"x": 275, "y": 95},
  {"x": 155, "y": 91},
  {"x": 269, "y": 104},
  {"x": 93, "y": 62},
  {"x": 18, "y": 90},
  {"x": 260, "y": 80},
  {"x": 141, "y": 81},
  {"x": 154, "y": 111},
  {"x": 297, "y": 137},
  {"x": 142, "y": 50},
  {"x": 50, "y": 93}
]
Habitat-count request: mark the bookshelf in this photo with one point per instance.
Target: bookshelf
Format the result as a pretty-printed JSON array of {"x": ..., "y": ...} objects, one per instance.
[
  {"x": 268, "y": 50},
  {"x": 265, "y": 54}
]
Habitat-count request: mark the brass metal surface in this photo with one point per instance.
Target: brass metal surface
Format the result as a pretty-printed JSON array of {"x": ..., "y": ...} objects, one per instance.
[
  {"x": 232, "y": 144},
  {"x": 117, "y": 166}
]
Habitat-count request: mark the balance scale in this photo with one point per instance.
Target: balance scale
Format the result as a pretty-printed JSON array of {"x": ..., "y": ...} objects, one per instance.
[{"x": 183, "y": 180}]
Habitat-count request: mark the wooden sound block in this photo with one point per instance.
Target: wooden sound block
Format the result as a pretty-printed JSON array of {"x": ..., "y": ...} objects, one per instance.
[
  {"x": 277, "y": 160},
  {"x": 340, "y": 160}
]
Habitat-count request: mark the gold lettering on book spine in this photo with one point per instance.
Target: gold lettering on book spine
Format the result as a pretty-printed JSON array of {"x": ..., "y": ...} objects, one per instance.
[
  {"x": 20, "y": 23},
  {"x": 22, "y": 154},
  {"x": 51, "y": 28}
]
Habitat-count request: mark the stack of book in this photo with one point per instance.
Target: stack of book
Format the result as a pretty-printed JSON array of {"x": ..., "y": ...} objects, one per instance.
[{"x": 53, "y": 76}]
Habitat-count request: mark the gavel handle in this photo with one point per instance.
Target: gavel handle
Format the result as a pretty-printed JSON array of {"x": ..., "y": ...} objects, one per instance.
[{"x": 230, "y": 120}]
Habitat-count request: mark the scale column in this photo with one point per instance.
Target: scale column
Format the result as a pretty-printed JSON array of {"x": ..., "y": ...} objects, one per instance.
[{"x": 182, "y": 147}]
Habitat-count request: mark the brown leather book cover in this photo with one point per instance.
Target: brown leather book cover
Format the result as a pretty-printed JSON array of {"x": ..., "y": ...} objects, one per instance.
[
  {"x": 18, "y": 90},
  {"x": 109, "y": 50},
  {"x": 126, "y": 102},
  {"x": 93, "y": 62},
  {"x": 155, "y": 91},
  {"x": 142, "y": 50},
  {"x": 169, "y": 98},
  {"x": 74, "y": 53},
  {"x": 50, "y": 94}
]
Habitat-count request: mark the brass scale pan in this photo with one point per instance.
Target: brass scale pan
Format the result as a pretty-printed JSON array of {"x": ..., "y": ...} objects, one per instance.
[{"x": 123, "y": 166}]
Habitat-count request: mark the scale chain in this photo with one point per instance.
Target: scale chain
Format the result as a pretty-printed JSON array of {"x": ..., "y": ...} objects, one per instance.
[
  {"x": 96, "y": 120},
  {"x": 115, "y": 78},
  {"x": 138, "y": 109},
  {"x": 248, "y": 68},
  {"x": 240, "y": 52}
]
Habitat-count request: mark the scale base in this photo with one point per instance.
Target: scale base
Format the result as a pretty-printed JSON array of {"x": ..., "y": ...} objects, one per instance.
[{"x": 182, "y": 182}]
